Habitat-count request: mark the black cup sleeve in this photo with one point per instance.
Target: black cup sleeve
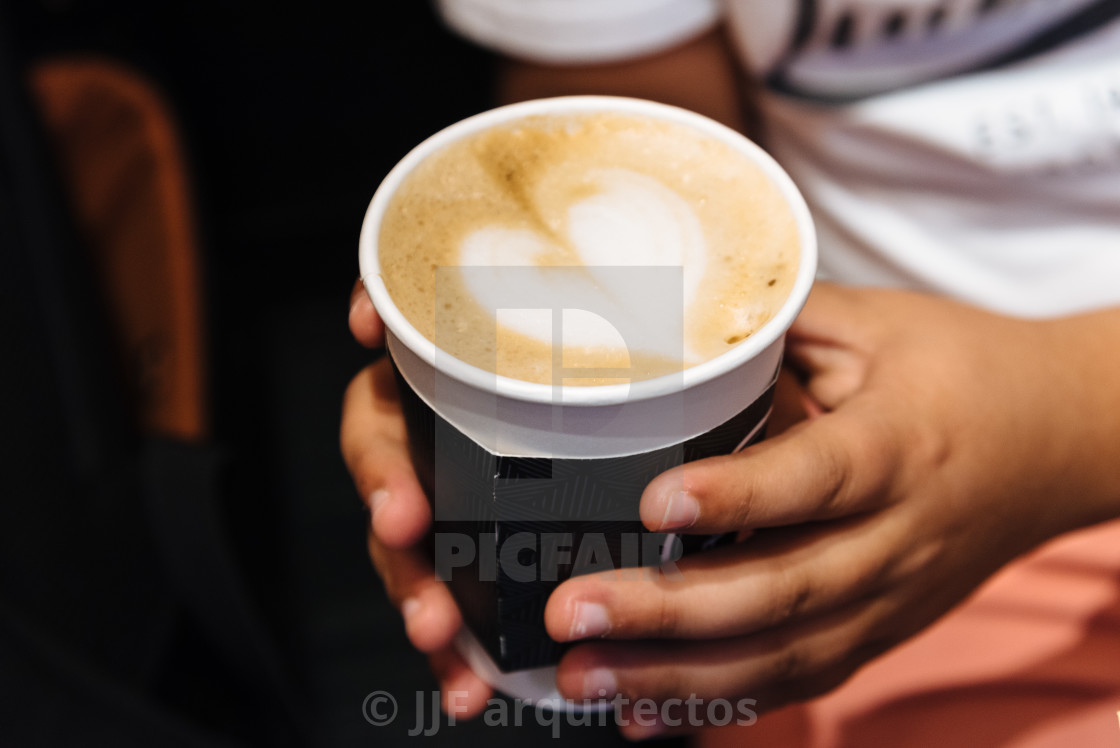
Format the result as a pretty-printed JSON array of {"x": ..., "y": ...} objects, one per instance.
[{"x": 508, "y": 530}]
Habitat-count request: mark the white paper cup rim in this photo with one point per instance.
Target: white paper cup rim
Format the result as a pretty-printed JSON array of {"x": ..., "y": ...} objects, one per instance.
[{"x": 597, "y": 395}]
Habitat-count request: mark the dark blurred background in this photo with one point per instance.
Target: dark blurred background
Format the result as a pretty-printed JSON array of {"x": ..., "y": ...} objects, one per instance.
[{"x": 216, "y": 592}]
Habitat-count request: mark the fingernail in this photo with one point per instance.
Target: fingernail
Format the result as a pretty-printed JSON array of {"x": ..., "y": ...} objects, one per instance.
[
  {"x": 589, "y": 620},
  {"x": 377, "y": 499},
  {"x": 681, "y": 511},
  {"x": 599, "y": 683},
  {"x": 409, "y": 608}
]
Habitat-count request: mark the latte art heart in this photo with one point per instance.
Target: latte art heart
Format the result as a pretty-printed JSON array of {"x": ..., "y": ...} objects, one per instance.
[
  {"x": 602, "y": 242},
  {"x": 632, "y": 220},
  {"x": 637, "y": 221}
]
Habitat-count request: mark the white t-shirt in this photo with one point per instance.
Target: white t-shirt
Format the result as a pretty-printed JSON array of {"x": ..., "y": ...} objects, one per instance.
[{"x": 969, "y": 147}]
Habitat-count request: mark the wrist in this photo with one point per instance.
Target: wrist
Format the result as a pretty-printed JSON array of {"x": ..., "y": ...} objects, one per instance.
[{"x": 1086, "y": 395}]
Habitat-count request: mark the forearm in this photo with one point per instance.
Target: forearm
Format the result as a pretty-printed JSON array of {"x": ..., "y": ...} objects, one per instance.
[{"x": 700, "y": 75}]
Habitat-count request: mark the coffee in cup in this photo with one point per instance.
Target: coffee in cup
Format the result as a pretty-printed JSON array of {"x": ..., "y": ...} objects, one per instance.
[{"x": 587, "y": 190}]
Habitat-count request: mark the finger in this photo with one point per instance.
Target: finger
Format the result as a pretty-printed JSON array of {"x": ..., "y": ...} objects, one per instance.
[
  {"x": 835, "y": 465},
  {"x": 830, "y": 374},
  {"x": 365, "y": 324},
  {"x": 465, "y": 695},
  {"x": 830, "y": 346},
  {"x": 430, "y": 615},
  {"x": 373, "y": 442},
  {"x": 776, "y": 577},
  {"x": 773, "y": 667}
]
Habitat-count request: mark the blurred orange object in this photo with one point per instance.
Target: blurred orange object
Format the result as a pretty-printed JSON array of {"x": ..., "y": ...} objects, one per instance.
[{"x": 118, "y": 154}]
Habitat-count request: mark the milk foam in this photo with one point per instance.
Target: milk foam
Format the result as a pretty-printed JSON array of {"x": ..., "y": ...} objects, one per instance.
[
  {"x": 631, "y": 220},
  {"x": 596, "y": 193}
]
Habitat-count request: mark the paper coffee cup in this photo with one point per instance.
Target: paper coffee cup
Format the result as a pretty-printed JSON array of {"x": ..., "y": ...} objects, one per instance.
[{"x": 527, "y": 479}]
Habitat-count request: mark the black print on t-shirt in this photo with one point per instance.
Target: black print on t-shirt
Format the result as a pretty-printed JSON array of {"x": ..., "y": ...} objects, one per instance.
[{"x": 836, "y": 40}]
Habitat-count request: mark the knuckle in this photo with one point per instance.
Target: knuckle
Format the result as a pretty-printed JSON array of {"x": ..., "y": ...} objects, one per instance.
[
  {"x": 740, "y": 511},
  {"x": 798, "y": 599},
  {"x": 725, "y": 492},
  {"x": 788, "y": 667},
  {"x": 920, "y": 560},
  {"x": 667, "y": 617},
  {"x": 791, "y": 595},
  {"x": 928, "y": 451},
  {"x": 859, "y": 471},
  {"x": 811, "y": 675},
  {"x": 833, "y": 466}
]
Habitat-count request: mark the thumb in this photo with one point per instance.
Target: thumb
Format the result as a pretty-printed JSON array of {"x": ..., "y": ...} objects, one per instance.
[{"x": 836, "y": 465}]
